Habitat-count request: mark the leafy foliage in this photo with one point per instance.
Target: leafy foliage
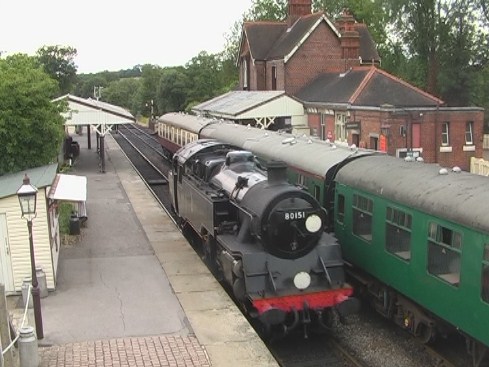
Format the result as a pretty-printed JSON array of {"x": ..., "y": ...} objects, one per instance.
[
  {"x": 59, "y": 63},
  {"x": 31, "y": 127}
]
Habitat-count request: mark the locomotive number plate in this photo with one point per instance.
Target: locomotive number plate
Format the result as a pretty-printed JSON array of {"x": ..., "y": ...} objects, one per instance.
[{"x": 294, "y": 215}]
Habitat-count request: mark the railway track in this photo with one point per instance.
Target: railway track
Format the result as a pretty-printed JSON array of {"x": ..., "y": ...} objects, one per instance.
[{"x": 146, "y": 155}]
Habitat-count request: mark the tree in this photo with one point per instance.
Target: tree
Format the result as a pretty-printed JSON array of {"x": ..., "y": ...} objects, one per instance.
[
  {"x": 267, "y": 10},
  {"x": 59, "y": 63},
  {"x": 150, "y": 77},
  {"x": 205, "y": 73},
  {"x": 173, "y": 90},
  {"x": 123, "y": 93},
  {"x": 31, "y": 127}
]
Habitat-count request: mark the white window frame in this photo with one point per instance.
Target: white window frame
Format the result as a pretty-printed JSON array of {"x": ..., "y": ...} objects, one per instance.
[
  {"x": 445, "y": 134},
  {"x": 340, "y": 131},
  {"x": 245, "y": 73},
  {"x": 469, "y": 133}
]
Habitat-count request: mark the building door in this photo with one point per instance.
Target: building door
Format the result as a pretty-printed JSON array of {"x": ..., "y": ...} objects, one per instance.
[{"x": 6, "y": 269}]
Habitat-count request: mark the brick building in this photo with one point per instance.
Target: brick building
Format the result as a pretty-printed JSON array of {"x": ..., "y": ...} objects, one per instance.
[{"x": 333, "y": 69}]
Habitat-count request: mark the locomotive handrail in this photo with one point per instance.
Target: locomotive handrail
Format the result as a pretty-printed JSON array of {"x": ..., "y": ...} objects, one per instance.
[
  {"x": 270, "y": 275},
  {"x": 328, "y": 277}
]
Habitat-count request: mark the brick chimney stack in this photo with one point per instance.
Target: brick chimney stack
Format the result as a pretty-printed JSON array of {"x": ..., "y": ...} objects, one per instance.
[
  {"x": 350, "y": 38},
  {"x": 297, "y": 9}
]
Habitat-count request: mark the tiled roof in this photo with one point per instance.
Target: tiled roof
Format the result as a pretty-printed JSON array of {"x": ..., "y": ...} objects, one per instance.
[
  {"x": 383, "y": 88},
  {"x": 290, "y": 38},
  {"x": 332, "y": 87},
  {"x": 365, "y": 87},
  {"x": 262, "y": 36},
  {"x": 368, "y": 49},
  {"x": 273, "y": 40}
]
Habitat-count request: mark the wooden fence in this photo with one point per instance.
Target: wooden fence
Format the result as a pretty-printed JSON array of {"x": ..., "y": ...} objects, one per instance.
[
  {"x": 486, "y": 141},
  {"x": 479, "y": 166}
]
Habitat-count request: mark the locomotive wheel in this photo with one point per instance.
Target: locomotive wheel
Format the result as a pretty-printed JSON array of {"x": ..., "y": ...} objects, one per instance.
[{"x": 426, "y": 333}]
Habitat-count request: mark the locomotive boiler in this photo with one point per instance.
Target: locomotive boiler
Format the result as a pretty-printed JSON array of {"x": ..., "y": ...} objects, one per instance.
[{"x": 264, "y": 236}]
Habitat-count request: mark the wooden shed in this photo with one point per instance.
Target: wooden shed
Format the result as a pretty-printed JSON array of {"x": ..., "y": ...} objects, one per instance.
[{"x": 15, "y": 263}]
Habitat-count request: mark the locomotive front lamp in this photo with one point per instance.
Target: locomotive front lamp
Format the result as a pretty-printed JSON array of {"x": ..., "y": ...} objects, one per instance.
[
  {"x": 27, "y": 195},
  {"x": 313, "y": 223},
  {"x": 302, "y": 280}
]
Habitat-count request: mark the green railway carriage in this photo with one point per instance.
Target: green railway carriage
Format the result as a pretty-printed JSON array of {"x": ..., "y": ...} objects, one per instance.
[{"x": 422, "y": 234}]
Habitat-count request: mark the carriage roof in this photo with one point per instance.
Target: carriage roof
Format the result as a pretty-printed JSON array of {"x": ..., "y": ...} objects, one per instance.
[{"x": 460, "y": 197}]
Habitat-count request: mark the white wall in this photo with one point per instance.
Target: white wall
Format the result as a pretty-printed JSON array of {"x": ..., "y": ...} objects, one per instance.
[{"x": 19, "y": 239}]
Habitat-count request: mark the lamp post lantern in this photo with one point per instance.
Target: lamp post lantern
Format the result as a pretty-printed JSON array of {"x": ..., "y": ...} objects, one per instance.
[{"x": 27, "y": 195}]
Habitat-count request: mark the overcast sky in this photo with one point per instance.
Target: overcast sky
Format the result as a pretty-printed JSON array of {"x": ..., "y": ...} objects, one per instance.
[{"x": 113, "y": 35}]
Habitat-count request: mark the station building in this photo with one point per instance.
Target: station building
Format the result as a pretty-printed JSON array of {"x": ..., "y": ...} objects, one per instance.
[{"x": 333, "y": 69}]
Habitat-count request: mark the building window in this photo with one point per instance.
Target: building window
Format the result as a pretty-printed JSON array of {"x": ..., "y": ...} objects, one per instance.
[
  {"x": 398, "y": 233},
  {"x": 274, "y": 78},
  {"x": 469, "y": 138},
  {"x": 445, "y": 141},
  {"x": 485, "y": 275},
  {"x": 340, "y": 127},
  {"x": 341, "y": 209},
  {"x": 444, "y": 253},
  {"x": 245, "y": 74},
  {"x": 362, "y": 217}
]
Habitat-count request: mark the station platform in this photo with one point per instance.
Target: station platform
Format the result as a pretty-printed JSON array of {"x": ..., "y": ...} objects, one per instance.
[{"x": 131, "y": 291}]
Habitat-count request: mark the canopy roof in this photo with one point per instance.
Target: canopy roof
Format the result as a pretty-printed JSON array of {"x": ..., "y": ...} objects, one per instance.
[
  {"x": 69, "y": 188},
  {"x": 241, "y": 105},
  {"x": 87, "y": 111}
]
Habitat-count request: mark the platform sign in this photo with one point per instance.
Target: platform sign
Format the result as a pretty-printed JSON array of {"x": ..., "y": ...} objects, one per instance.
[{"x": 383, "y": 143}]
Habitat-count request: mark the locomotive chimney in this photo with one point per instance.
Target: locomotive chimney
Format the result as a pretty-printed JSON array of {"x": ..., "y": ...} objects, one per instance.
[{"x": 277, "y": 172}]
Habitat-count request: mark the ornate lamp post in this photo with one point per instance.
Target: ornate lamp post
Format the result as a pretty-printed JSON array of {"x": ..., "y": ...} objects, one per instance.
[{"x": 27, "y": 198}]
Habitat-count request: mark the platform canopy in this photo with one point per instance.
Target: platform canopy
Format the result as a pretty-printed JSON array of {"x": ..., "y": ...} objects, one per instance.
[
  {"x": 71, "y": 188},
  {"x": 101, "y": 115},
  {"x": 262, "y": 106}
]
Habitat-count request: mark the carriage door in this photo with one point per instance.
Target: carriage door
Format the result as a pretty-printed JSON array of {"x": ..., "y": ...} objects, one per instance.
[{"x": 6, "y": 268}]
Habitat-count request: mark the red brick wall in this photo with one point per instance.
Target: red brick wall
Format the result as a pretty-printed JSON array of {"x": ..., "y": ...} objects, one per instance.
[
  {"x": 430, "y": 134},
  {"x": 279, "y": 64},
  {"x": 259, "y": 72},
  {"x": 320, "y": 53},
  {"x": 457, "y": 121}
]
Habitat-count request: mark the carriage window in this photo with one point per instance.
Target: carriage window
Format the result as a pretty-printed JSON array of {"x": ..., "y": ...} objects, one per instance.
[
  {"x": 317, "y": 193},
  {"x": 362, "y": 217},
  {"x": 301, "y": 180},
  {"x": 398, "y": 233},
  {"x": 485, "y": 275},
  {"x": 444, "y": 253},
  {"x": 341, "y": 209}
]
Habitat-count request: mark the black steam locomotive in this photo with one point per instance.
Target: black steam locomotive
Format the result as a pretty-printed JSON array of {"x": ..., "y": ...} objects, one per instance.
[{"x": 265, "y": 237}]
